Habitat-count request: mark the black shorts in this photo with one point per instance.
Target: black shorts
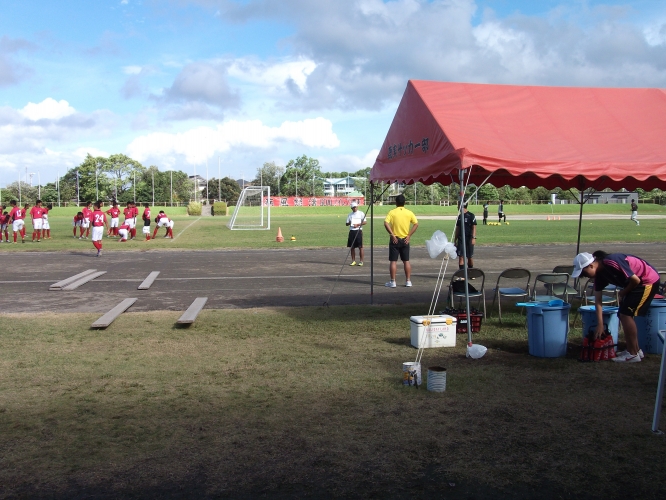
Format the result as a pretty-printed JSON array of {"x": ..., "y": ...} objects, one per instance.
[
  {"x": 637, "y": 302},
  {"x": 355, "y": 239},
  {"x": 469, "y": 247},
  {"x": 400, "y": 249}
]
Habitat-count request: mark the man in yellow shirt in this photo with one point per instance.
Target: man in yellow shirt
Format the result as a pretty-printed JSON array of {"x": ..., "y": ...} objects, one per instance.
[{"x": 397, "y": 223}]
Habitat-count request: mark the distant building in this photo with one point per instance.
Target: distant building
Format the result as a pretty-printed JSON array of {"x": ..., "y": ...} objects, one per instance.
[
  {"x": 611, "y": 197},
  {"x": 343, "y": 186}
]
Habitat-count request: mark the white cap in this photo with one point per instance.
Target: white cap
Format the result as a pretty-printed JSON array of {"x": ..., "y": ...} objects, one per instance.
[
  {"x": 580, "y": 262},
  {"x": 353, "y": 204}
]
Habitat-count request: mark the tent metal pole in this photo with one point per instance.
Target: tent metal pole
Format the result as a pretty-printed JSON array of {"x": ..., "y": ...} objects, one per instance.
[
  {"x": 580, "y": 218},
  {"x": 372, "y": 244},
  {"x": 660, "y": 389},
  {"x": 464, "y": 252}
]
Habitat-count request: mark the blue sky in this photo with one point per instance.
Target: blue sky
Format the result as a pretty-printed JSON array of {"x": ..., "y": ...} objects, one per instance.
[{"x": 185, "y": 83}]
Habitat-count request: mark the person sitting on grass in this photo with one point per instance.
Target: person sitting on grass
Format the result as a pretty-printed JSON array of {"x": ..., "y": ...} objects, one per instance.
[{"x": 639, "y": 282}]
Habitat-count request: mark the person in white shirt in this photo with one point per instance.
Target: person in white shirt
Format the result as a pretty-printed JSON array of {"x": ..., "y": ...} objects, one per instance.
[{"x": 355, "y": 221}]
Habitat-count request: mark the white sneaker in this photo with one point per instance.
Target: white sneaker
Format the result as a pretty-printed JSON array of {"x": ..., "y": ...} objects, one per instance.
[
  {"x": 408, "y": 283},
  {"x": 624, "y": 354},
  {"x": 390, "y": 284},
  {"x": 629, "y": 358}
]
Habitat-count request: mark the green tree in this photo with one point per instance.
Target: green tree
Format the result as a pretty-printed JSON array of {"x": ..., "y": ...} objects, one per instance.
[
  {"x": 269, "y": 175},
  {"x": 540, "y": 194},
  {"x": 301, "y": 176},
  {"x": 123, "y": 170},
  {"x": 228, "y": 189},
  {"x": 488, "y": 192},
  {"x": 27, "y": 194}
]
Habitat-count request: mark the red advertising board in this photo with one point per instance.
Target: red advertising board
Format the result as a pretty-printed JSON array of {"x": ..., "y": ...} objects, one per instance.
[{"x": 312, "y": 201}]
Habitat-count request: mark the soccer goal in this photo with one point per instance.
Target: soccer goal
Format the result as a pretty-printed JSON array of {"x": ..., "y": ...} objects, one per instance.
[{"x": 253, "y": 209}]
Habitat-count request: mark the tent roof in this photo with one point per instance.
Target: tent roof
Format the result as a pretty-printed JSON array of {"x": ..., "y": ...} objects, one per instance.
[{"x": 527, "y": 136}]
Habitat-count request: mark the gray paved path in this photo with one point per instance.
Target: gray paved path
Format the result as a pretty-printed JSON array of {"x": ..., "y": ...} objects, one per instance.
[{"x": 254, "y": 278}]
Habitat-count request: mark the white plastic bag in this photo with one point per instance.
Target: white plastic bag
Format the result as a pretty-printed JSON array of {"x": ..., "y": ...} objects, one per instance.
[
  {"x": 436, "y": 244},
  {"x": 476, "y": 351}
]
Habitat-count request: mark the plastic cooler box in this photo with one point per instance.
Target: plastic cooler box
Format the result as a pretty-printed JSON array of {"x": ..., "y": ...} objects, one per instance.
[
  {"x": 547, "y": 330},
  {"x": 433, "y": 331},
  {"x": 589, "y": 316},
  {"x": 649, "y": 325}
]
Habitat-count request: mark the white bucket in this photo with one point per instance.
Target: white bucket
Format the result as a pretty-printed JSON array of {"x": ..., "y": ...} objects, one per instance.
[
  {"x": 436, "y": 379},
  {"x": 411, "y": 374}
]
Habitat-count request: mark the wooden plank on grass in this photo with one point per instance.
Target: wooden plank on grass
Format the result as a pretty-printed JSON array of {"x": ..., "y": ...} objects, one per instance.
[
  {"x": 65, "y": 282},
  {"x": 84, "y": 280},
  {"x": 149, "y": 280},
  {"x": 109, "y": 317},
  {"x": 193, "y": 311}
]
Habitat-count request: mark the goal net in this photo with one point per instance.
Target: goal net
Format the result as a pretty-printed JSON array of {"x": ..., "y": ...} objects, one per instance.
[{"x": 253, "y": 209}]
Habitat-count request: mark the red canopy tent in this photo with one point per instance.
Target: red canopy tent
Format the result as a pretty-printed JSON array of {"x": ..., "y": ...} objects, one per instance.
[{"x": 527, "y": 136}]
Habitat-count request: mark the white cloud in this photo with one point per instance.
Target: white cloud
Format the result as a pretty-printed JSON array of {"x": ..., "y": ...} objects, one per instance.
[
  {"x": 132, "y": 70},
  {"x": 655, "y": 34},
  {"x": 48, "y": 109},
  {"x": 273, "y": 75},
  {"x": 200, "y": 143}
]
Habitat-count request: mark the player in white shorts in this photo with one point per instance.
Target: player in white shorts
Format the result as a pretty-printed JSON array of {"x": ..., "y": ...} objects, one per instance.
[
  {"x": 16, "y": 215},
  {"x": 46, "y": 228},
  {"x": 114, "y": 212},
  {"x": 98, "y": 219},
  {"x": 163, "y": 221}
]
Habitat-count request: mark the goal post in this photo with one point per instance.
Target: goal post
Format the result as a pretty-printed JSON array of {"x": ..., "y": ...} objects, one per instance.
[{"x": 253, "y": 209}]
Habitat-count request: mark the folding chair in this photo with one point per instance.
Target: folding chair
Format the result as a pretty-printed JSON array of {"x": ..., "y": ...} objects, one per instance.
[
  {"x": 569, "y": 290},
  {"x": 514, "y": 274},
  {"x": 552, "y": 282},
  {"x": 459, "y": 277}
]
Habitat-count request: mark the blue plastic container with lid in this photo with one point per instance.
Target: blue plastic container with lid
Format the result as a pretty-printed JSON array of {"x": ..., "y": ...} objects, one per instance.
[
  {"x": 548, "y": 329},
  {"x": 610, "y": 318},
  {"x": 649, "y": 325}
]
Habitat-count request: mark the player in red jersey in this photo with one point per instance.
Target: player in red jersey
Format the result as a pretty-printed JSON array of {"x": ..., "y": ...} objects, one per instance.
[
  {"x": 123, "y": 231},
  {"x": 4, "y": 222},
  {"x": 78, "y": 219},
  {"x": 146, "y": 220},
  {"x": 85, "y": 223},
  {"x": 163, "y": 221},
  {"x": 98, "y": 220},
  {"x": 16, "y": 217},
  {"x": 114, "y": 213},
  {"x": 128, "y": 212},
  {"x": 36, "y": 214}
]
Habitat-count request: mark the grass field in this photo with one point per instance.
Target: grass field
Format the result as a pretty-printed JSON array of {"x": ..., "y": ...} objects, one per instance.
[
  {"x": 325, "y": 227},
  {"x": 309, "y": 402}
]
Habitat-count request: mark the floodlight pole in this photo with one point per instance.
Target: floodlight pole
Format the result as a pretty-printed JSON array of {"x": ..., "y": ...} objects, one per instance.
[{"x": 153, "y": 173}]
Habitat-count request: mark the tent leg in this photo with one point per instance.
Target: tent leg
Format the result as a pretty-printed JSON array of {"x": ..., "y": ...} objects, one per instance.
[
  {"x": 660, "y": 390},
  {"x": 461, "y": 204},
  {"x": 372, "y": 244}
]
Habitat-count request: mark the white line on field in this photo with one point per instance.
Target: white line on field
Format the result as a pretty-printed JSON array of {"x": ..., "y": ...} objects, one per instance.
[{"x": 176, "y": 237}]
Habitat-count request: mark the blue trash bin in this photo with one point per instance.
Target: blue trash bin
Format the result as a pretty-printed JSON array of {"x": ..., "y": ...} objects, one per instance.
[
  {"x": 610, "y": 318},
  {"x": 649, "y": 325},
  {"x": 547, "y": 330}
]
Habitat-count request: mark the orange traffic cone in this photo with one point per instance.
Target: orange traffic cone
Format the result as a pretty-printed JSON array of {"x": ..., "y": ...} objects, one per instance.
[
  {"x": 559, "y": 218},
  {"x": 279, "y": 237},
  {"x": 548, "y": 217}
]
